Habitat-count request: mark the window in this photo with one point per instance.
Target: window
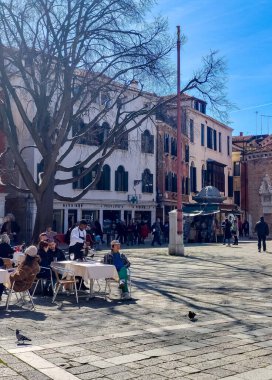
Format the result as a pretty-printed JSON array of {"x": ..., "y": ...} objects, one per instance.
[
  {"x": 168, "y": 181},
  {"x": 193, "y": 178},
  {"x": 147, "y": 142},
  {"x": 215, "y": 175},
  {"x": 236, "y": 197},
  {"x": 187, "y": 186},
  {"x": 187, "y": 153},
  {"x": 147, "y": 181},
  {"x": 230, "y": 186},
  {"x": 192, "y": 132},
  {"x": 121, "y": 179},
  {"x": 83, "y": 182},
  {"x": 228, "y": 145},
  {"x": 209, "y": 137},
  {"x": 123, "y": 144},
  {"x": 203, "y": 107},
  {"x": 104, "y": 181},
  {"x": 173, "y": 146},
  {"x": 174, "y": 182},
  {"x": 89, "y": 137},
  {"x": 220, "y": 142},
  {"x": 105, "y": 100},
  {"x": 103, "y": 133},
  {"x": 203, "y": 176},
  {"x": 236, "y": 169},
  {"x": 202, "y": 135},
  {"x": 166, "y": 143},
  {"x": 196, "y": 105},
  {"x": 214, "y": 140}
]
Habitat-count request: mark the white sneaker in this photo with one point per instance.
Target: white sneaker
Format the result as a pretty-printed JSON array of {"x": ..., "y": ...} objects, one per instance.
[{"x": 126, "y": 296}]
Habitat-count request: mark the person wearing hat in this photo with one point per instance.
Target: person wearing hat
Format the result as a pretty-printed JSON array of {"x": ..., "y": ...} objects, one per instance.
[
  {"x": 27, "y": 271},
  {"x": 121, "y": 263}
]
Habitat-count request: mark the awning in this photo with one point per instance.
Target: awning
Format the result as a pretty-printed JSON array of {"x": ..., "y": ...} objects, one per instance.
[{"x": 200, "y": 209}]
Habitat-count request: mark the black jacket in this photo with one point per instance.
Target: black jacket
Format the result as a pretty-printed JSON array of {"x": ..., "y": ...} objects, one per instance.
[
  {"x": 261, "y": 228},
  {"x": 6, "y": 251}
]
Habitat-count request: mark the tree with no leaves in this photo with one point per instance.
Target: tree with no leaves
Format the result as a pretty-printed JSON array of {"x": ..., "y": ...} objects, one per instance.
[{"x": 56, "y": 58}]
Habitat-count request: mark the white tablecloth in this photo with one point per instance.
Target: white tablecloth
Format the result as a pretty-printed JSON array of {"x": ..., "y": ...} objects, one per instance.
[
  {"x": 4, "y": 276},
  {"x": 89, "y": 270}
]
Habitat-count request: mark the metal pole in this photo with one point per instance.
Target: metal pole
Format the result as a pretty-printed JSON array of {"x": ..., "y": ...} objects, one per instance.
[
  {"x": 176, "y": 246},
  {"x": 179, "y": 146}
]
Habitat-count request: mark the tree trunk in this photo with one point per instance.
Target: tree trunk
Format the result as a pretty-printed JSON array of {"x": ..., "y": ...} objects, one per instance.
[{"x": 44, "y": 217}]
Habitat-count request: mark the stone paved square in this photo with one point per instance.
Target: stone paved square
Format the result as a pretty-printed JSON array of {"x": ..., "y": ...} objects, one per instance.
[{"x": 151, "y": 337}]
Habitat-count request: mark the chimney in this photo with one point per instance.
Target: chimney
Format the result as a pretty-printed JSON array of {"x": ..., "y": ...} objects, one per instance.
[
  {"x": 241, "y": 134},
  {"x": 134, "y": 84}
]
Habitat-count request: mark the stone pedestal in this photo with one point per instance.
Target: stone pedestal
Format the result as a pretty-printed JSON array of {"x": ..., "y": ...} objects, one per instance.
[{"x": 176, "y": 246}]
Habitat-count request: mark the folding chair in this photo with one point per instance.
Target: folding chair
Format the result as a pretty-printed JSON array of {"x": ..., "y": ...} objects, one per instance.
[
  {"x": 67, "y": 278},
  {"x": 109, "y": 281},
  {"x": 41, "y": 281},
  {"x": 20, "y": 295}
]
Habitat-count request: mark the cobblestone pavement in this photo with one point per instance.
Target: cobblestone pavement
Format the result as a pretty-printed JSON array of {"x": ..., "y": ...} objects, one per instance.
[{"x": 151, "y": 336}]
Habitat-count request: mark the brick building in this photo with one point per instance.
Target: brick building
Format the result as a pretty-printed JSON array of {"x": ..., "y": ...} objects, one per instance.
[{"x": 252, "y": 169}]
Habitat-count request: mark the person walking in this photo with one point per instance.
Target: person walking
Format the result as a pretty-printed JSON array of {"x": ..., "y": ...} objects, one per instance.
[
  {"x": 156, "y": 231},
  {"x": 262, "y": 231},
  {"x": 234, "y": 231},
  {"x": 227, "y": 235}
]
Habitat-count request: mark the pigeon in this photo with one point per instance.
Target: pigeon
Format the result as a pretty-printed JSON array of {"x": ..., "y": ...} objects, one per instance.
[
  {"x": 191, "y": 315},
  {"x": 21, "y": 338}
]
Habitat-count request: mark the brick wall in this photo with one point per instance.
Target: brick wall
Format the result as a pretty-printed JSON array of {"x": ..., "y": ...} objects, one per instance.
[{"x": 256, "y": 169}]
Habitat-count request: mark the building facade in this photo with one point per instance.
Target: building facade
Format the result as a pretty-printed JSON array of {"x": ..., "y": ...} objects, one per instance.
[{"x": 252, "y": 168}]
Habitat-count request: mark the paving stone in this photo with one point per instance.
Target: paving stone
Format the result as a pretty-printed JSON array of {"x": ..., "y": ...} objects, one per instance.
[
  {"x": 35, "y": 375},
  {"x": 82, "y": 369},
  {"x": 201, "y": 376},
  {"x": 220, "y": 372},
  {"x": 122, "y": 376},
  {"x": 257, "y": 374}
]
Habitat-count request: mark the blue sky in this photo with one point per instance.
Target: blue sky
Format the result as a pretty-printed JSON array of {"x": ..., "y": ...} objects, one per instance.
[{"x": 242, "y": 32}]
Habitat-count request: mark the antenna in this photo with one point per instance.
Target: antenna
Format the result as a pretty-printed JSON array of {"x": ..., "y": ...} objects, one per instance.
[
  {"x": 256, "y": 122},
  {"x": 267, "y": 117}
]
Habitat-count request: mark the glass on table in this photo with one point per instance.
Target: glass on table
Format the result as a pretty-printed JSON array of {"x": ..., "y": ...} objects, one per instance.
[{"x": 72, "y": 256}]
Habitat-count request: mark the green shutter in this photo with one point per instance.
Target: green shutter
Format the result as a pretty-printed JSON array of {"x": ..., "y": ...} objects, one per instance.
[{"x": 125, "y": 181}]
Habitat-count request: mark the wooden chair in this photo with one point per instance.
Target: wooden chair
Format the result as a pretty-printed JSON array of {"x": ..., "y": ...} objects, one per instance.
[
  {"x": 64, "y": 277},
  {"x": 7, "y": 263},
  {"x": 41, "y": 281}
]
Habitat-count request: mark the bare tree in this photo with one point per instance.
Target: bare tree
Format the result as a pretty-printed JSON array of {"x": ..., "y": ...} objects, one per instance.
[{"x": 57, "y": 57}]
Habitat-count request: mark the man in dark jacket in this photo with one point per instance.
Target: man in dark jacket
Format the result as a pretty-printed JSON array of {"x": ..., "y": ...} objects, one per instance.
[
  {"x": 121, "y": 263},
  {"x": 262, "y": 231}
]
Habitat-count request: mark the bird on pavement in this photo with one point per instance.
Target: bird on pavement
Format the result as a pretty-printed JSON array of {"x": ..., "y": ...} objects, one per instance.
[
  {"x": 191, "y": 315},
  {"x": 21, "y": 338}
]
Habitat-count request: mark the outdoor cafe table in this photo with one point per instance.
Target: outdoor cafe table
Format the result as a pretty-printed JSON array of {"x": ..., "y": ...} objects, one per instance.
[{"x": 89, "y": 270}]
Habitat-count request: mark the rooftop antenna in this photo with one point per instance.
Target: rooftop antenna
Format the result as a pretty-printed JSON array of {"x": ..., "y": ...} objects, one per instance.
[
  {"x": 268, "y": 117},
  {"x": 256, "y": 122}
]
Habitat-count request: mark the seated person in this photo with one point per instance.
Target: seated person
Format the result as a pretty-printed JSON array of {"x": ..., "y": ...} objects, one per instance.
[
  {"x": 1, "y": 285},
  {"x": 43, "y": 237},
  {"x": 121, "y": 263},
  {"x": 50, "y": 234},
  {"x": 26, "y": 272},
  {"x": 5, "y": 249},
  {"x": 54, "y": 252},
  {"x": 46, "y": 259}
]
